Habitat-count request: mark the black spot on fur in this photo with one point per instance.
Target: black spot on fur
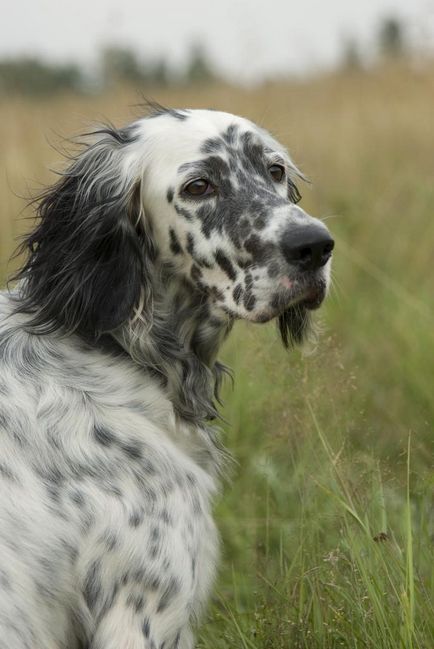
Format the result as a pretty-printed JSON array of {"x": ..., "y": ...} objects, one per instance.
[
  {"x": 190, "y": 243},
  {"x": 132, "y": 449},
  {"x": 230, "y": 134},
  {"x": 170, "y": 195},
  {"x": 237, "y": 293},
  {"x": 6, "y": 472},
  {"x": 225, "y": 264},
  {"x": 171, "y": 590},
  {"x": 195, "y": 273},
  {"x": 77, "y": 497},
  {"x": 212, "y": 145},
  {"x": 182, "y": 211},
  {"x": 92, "y": 585},
  {"x": 261, "y": 251},
  {"x": 175, "y": 246},
  {"x": 147, "y": 467},
  {"x": 5, "y": 582},
  {"x": 216, "y": 293},
  {"x": 165, "y": 517},
  {"x": 154, "y": 551},
  {"x": 259, "y": 223},
  {"x": 103, "y": 436},
  {"x": 244, "y": 263},
  {"x": 249, "y": 301},
  {"x": 136, "y": 602},
  {"x": 110, "y": 540},
  {"x": 244, "y": 228},
  {"x": 136, "y": 518},
  {"x": 146, "y": 627}
]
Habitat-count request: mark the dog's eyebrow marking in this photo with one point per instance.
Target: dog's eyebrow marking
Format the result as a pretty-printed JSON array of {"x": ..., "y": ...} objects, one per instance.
[
  {"x": 214, "y": 167},
  {"x": 212, "y": 145},
  {"x": 230, "y": 133},
  {"x": 196, "y": 165}
]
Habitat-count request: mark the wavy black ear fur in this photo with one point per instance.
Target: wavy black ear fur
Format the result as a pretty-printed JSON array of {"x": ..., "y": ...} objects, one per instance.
[{"x": 87, "y": 266}]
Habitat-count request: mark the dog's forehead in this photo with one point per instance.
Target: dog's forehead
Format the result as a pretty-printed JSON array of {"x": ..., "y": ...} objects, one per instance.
[
  {"x": 196, "y": 124},
  {"x": 177, "y": 137}
]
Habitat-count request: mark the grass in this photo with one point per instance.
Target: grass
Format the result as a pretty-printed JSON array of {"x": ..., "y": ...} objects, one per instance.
[{"x": 327, "y": 523}]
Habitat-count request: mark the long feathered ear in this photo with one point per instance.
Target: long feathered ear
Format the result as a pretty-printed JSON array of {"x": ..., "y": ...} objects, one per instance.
[{"x": 87, "y": 265}]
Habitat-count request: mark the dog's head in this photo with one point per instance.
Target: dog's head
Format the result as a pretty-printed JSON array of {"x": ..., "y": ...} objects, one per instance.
[{"x": 207, "y": 196}]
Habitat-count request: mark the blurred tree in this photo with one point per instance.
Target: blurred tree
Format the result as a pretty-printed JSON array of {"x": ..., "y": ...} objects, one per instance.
[
  {"x": 123, "y": 64},
  {"x": 198, "y": 68},
  {"x": 391, "y": 37},
  {"x": 160, "y": 73},
  {"x": 120, "y": 64},
  {"x": 32, "y": 76},
  {"x": 351, "y": 58}
]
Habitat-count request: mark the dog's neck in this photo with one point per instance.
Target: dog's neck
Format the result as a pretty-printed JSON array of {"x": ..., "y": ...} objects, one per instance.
[{"x": 177, "y": 338}]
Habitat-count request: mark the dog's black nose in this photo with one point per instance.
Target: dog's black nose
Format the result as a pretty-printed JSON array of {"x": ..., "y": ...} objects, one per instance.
[{"x": 307, "y": 246}]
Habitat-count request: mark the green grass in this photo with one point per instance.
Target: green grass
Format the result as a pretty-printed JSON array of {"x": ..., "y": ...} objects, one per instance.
[
  {"x": 327, "y": 521},
  {"x": 326, "y": 544}
]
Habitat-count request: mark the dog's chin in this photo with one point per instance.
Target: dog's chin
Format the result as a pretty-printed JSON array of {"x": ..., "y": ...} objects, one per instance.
[
  {"x": 294, "y": 324},
  {"x": 292, "y": 307},
  {"x": 294, "y": 321}
]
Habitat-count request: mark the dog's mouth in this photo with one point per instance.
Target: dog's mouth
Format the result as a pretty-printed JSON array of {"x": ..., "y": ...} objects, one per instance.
[
  {"x": 307, "y": 292},
  {"x": 314, "y": 298},
  {"x": 291, "y": 304},
  {"x": 301, "y": 297}
]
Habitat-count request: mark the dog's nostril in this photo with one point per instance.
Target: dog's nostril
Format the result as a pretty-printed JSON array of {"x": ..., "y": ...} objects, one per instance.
[{"x": 305, "y": 252}]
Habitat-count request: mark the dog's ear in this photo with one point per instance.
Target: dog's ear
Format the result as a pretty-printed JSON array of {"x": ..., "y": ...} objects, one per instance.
[{"x": 88, "y": 256}]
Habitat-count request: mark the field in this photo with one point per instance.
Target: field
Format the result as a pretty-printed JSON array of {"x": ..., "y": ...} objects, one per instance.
[{"x": 327, "y": 519}]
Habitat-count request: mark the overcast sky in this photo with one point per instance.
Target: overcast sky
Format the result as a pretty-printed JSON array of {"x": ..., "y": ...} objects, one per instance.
[{"x": 246, "y": 39}]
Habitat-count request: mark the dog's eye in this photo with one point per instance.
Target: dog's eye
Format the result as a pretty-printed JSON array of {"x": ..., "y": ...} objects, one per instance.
[
  {"x": 199, "y": 187},
  {"x": 277, "y": 172}
]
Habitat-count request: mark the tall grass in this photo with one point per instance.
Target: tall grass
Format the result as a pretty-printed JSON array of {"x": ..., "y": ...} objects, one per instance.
[{"x": 327, "y": 522}]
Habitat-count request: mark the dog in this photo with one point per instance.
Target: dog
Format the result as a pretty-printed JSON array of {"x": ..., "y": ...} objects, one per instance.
[{"x": 156, "y": 238}]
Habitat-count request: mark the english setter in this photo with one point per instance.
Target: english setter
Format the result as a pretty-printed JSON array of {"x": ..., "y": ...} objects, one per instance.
[{"x": 156, "y": 238}]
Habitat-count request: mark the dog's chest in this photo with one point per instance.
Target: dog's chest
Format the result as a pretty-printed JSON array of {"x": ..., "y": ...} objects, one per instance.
[{"x": 111, "y": 482}]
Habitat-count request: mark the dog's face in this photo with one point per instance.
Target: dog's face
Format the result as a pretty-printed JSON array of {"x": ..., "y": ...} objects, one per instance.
[
  {"x": 204, "y": 197},
  {"x": 220, "y": 194}
]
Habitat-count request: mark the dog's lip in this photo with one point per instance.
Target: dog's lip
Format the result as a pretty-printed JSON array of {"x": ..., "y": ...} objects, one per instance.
[
  {"x": 310, "y": 296},
  {"x": 314, "y": 299}
]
